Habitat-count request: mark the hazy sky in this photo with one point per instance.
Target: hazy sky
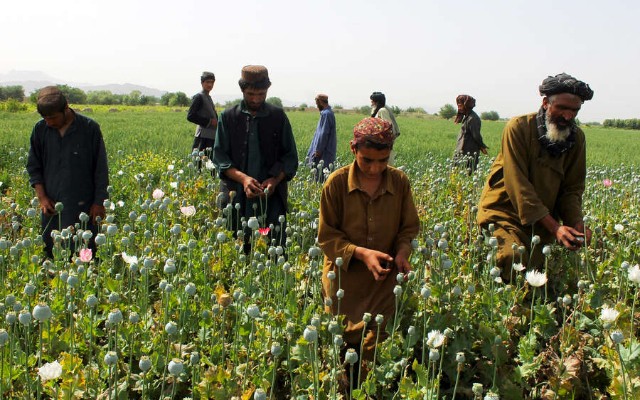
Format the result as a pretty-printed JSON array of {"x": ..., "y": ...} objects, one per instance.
[{"x": 419, "y": 53}]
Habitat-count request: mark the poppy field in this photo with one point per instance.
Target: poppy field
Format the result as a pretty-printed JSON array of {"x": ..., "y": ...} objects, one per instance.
[{"x": 169, "y": 306}]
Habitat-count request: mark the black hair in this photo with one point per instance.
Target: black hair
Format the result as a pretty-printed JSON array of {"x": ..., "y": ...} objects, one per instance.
[
  {"x": 370, "y": 144},
  {"x": 379, "y": 98}
]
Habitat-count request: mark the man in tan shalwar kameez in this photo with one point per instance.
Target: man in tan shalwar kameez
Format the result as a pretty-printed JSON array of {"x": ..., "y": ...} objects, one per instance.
[
  {"x": 368, "y": 218},
  {"x": 536, "y": 183}
]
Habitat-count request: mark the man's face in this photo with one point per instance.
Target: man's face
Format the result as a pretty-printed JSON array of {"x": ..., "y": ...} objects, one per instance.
[
  {"x": 56, "y": 120},
  {"x": 371, "y": 162},
  {"x": 207, "y": 85},
  {"x": 254, "y": 98},
  {"x": 319, "y": 104},
  {"x": 563, "y": 110}
]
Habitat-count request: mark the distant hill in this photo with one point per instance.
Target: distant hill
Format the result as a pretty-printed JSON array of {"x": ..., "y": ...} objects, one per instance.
[{"x": 33, "y": 80}]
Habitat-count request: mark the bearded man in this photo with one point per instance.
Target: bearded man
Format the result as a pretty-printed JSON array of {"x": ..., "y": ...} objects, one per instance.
[{"x": 536, "y": 183}]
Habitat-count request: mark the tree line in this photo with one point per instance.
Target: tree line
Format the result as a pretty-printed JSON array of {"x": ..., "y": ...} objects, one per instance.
[
  {"x": 104, "y": 97},
  {"x": 633, "y": 123}
]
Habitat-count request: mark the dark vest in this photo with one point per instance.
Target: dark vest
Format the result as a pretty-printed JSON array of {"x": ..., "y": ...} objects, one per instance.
[{"x": 269, "y": 136}]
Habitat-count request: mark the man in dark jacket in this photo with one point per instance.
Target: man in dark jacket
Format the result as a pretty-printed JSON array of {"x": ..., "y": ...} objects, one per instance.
[
  {"x": 67, "y": 167},
  {"x": 255, "y": 154},
  {"x": 470, "y": 143},
  {"x": 202, "y": 112}
]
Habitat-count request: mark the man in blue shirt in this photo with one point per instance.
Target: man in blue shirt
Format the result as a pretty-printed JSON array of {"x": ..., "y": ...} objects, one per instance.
[{"x": 322, "y": 152}]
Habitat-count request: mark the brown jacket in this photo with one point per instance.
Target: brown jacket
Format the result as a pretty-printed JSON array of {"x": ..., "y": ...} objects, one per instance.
[
  {"x": 350, "y": 218},
  {"x": 525, "y": 183}
]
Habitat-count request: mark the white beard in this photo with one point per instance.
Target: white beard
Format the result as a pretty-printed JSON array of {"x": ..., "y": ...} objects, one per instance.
[{"x": 554, "y": 133}]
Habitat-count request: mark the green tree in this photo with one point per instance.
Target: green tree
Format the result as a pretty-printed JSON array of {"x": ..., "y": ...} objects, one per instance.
[
  {"x": 165, "y": 99},
  {"x": 232, "y": 103},
  {"x": 104, "y": 97},
  {"x": 395, "y": 110},
  {"x": 179, "y": 99},
  {"x": 73, "y": 95},
  {"x": 490, "y": 115},
  {"x": 447, "y": 111},
  {"x": 275, "y": 101},
  {"x": 133, "y": 98},
  {"x": 417, "y": 110},
  {"x": 11, "y": 92},
  {"x": 366, "y": 110}
]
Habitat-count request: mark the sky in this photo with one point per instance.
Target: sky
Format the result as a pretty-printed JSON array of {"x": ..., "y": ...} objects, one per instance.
[{"x": 419, "y": 53}]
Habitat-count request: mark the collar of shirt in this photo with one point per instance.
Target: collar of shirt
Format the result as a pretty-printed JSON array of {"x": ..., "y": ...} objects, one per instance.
[
  {"x": 262, "y": 112},
  {"x": 353, "y": 183}
]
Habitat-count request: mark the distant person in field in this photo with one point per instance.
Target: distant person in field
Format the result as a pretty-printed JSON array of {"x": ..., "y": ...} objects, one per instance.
[
  {"x": 470, "y": 143},
  {"x": 380, "y": 110},
  {"x": 368, "y": 219},
  {"x": 67, "y": 164},
  {"x": 255, "y": 155},
  {"x": 322, "y": 152},
  {"x": 202, "y": 112},
  {"x": 536, "y": 183}
]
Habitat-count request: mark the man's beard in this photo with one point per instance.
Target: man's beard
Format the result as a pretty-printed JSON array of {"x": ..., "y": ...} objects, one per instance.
[{"x": 554, "y": 132}]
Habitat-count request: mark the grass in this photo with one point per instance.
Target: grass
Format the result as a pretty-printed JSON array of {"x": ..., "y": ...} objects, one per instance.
[{"x": 166, "y": 131}]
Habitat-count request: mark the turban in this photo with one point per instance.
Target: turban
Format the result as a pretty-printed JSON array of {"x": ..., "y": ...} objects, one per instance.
[
  {"x": 465, "y": 104},
  {"x": 373, "y": 129},
  {"x": 564, "y": 83},
  {"x": 322, "y": 97}
]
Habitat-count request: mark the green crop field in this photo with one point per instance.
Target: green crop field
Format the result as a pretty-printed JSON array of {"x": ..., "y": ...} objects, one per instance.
[{"x": 170, "y": 306}]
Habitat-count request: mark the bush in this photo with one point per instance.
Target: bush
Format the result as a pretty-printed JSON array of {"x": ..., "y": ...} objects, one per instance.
[
  {"x": 13, "y": 105},
  {"x": 364, "y": 110},
  {"x": 416, "y": 110},
  {"x": 490, "y": 115},
  {"x": 275, "y": 101},
  {"x": 11, "y": 92},
  {"x": 447, "y": 111}
]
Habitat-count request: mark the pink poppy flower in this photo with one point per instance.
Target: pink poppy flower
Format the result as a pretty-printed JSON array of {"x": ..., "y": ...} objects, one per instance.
[
  {"x": 86, "y": 255},
  {"x": 264, "y": 231},
  {"x": 607, "y": 183}
]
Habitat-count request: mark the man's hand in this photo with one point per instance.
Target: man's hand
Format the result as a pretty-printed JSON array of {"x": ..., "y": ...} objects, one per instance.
[
  {"x": 96, "y": 211},
  {"x": 402, "y": 262},
  {"x": 47, "y": 205},
  {"x": 269, "y": 185},
  {"x": 484, "y": 150},
  {"x": 570, "y": 237},
  {"x": 252, "y": 187},
  {"x": 376, "y": 261},
  {"x": 585, "y": 230}
]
